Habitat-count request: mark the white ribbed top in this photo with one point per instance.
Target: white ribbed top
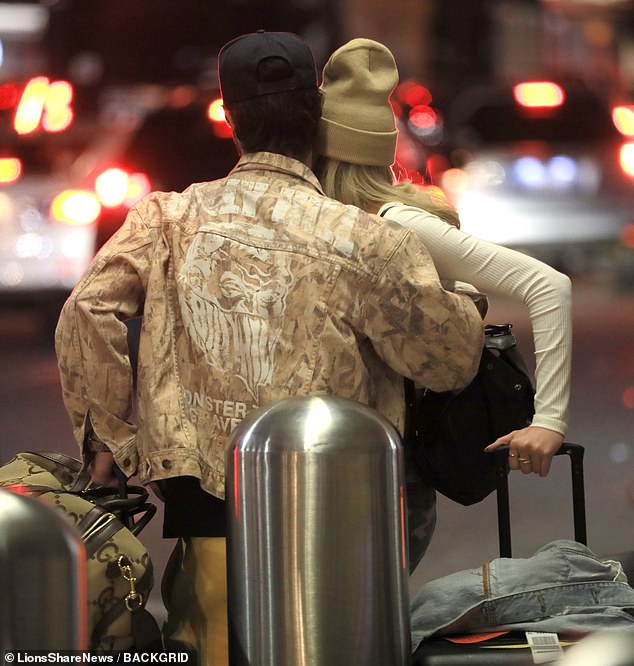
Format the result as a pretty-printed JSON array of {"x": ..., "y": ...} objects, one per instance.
[{"x": 493, "y": 269}]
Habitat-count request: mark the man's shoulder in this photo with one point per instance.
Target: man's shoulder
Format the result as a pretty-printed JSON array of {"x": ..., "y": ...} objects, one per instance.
[
  {"x": 366, "y": 242},
  {"x": 164, "y": 205},
  {"x": 365, "y": 222}
]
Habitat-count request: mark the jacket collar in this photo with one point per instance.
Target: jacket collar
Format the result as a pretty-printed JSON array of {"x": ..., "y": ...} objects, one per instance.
[{"x": 264, "y": 161}]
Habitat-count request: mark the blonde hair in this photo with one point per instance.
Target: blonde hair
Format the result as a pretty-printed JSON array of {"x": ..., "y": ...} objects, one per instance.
[{"x": 369, "y": 186}]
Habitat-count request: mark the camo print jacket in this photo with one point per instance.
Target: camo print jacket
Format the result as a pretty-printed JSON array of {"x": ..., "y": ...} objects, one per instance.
[{"x": 252, "y": 288}]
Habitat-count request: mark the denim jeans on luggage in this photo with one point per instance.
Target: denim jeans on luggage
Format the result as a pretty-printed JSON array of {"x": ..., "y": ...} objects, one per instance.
[{"x": 563, "y": 587}]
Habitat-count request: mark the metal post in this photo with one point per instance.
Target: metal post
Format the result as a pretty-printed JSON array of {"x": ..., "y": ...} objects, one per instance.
[
  {"x": 317, "y": 556},
  {"x": 42, "y": 578}
]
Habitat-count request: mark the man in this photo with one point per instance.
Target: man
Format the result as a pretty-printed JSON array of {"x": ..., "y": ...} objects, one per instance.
[{"x": 253, "y": 288}]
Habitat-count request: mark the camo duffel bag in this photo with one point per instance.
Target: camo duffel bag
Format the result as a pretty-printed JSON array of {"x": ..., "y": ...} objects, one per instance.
[{"x": 118, "y": 566}]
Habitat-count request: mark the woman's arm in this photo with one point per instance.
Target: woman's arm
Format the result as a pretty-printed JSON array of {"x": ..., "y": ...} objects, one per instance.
[{"x": 546, "y": 293}]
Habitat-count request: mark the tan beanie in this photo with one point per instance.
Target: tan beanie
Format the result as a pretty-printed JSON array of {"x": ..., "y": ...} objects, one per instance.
[{"x": 357, "y": 122}]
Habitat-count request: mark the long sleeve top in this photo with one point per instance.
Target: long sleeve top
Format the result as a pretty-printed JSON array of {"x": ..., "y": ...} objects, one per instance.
[{"x": 494, "y": 269}]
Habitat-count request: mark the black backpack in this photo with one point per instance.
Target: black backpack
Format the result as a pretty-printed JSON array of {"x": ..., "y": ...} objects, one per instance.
[{"x": 448, "y": 431}]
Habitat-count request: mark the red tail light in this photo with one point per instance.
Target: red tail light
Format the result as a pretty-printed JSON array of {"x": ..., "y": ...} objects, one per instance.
[
  {"x": 538, "y": 94},
  {"x": 423, "y": 117},
  {"x": 77, "y": 207},
  {"x": 8, "y": 95},
  {"x": 10, "y": 170},
  {"x": 413, "y": 94},
  {"x": 18, "y": 489}
]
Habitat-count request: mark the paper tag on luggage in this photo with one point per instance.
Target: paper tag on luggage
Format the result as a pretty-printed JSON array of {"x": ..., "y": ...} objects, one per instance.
[{"x": 545, "y": 647}]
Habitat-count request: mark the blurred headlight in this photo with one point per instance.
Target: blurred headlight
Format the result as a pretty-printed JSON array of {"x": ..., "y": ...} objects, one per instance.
[
  {"x": 562, "y": 171},
  {"x": 626, "y": 159},
  {"x": 538, "y": 94},
  {"x": 75, "y": 207},
  {"x": 115, "y": 187},
  {"x": 111, "y": 187},
  {"x": 10, "y": 170},
  {"x": 623, "y": 118},
  {"x": 486, "y": 174},
  {"x": 529, "y": 172},
  {"x": 29, "y": 245}
]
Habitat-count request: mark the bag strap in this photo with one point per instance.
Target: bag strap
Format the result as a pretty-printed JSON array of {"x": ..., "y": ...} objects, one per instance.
[
  {"x": 58, "y": 458},
  {"x": 146, "y": 633},
  {"x": 126, "y": 506},
  {"x": 44, "y": 458},
  {"x": 96, "y": 528},
  {"x": 110, "y": 497},
  {"x": 100, "y": 524},
  {"x": 137, "y": 524},
  {"x": 499, "y": 339},
  {"x": 131, "y": 507}
]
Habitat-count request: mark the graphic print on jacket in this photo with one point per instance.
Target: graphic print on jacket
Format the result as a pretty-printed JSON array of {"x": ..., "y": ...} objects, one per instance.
[{"x": 232, "y": 309}]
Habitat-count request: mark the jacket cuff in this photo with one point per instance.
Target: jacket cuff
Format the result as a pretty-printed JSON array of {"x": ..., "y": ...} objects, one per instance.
[{"x": 95, "y": 445}]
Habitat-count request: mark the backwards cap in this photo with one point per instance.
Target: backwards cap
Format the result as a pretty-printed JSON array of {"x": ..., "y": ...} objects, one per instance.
[{"x": 240, "y": 69}]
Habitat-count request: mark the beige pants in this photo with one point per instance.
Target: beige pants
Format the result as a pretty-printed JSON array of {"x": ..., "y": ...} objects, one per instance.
[{"x": 199, "y": 580}]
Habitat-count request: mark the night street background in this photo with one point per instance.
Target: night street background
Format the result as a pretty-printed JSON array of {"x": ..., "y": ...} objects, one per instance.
[{"x": 111, "y": 50}]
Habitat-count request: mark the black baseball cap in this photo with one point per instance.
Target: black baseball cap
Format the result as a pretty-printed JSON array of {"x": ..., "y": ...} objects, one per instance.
[{"x": 239, "y": 63}]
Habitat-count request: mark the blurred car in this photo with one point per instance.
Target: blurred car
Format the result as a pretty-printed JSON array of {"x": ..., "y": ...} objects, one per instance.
[
  {"x": 540, "y": 166},
  {"x": 184, "y": 141},
  {"x": 64, "y": 192},
  {"x": 43, "y": 251}
]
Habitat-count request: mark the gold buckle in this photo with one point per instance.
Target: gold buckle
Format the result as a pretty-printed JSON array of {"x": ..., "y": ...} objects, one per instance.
[{"x": 133, "y": 600}]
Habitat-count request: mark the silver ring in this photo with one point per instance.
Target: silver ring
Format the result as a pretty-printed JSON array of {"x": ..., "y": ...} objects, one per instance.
[{"x": 524, "y": 460}]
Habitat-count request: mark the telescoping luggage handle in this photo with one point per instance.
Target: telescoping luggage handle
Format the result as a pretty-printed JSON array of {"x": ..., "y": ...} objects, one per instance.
[{"x": 575, "y": 452}]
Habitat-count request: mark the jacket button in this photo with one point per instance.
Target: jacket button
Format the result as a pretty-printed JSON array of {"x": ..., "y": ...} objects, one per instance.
[
  {"x": 166, "y": 463},
  {"x": 126, "y": 462}
]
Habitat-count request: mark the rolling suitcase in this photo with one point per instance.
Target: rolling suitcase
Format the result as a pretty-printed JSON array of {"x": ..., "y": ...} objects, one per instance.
[{"x": 504, "y": 648}]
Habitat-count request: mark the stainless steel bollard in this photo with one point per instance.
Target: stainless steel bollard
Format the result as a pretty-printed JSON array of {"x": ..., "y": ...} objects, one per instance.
[
  {"x": 42, "y": 578},
  {"x": 317, "y": 558}
]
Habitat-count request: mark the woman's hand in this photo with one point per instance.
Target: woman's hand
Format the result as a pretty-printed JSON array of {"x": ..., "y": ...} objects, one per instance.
[{"x": 531, "y": 449}]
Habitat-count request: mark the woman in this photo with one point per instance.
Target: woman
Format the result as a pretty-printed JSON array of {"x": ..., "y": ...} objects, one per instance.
[{"x": 355, "y": 152}]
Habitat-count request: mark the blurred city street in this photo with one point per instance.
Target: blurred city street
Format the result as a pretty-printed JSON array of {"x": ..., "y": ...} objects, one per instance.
[{"x": 32, "y": 418}]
